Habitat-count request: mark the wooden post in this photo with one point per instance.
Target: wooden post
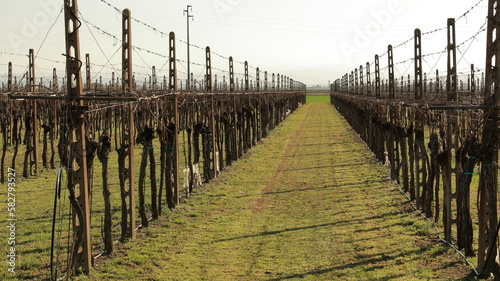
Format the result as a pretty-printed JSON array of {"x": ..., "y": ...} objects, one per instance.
[
  {"x": 451, "y": 81},
  {"x": 55, "y": 83},
  {"x": 236, "y": 129},
  {"x": 452, "y": 129},
  {"x": 34, "y": 112},
  {"x": 419, "y": 95},
  {"x": 81, "y": 254},
  {"x": 368, "y": 80},
  {"x": 172, "y": 85},
  {"x": 128, "y": 128},
  {"x": 246, "y": 77},
  {"x": 9, "y": 82},
  {"x": 214, "y": 137},
  {"x": 356, "y": 83},
  {"x": 231, "y": 75},
  {"x": 488, "y": 181},
  {"x": 176, "y": 152},
  {"x": 377, "y": 77},
  {"x": 88, "y": 85},
  {"x": 392, "y": 94},
  {"x": 208, "y": 70},
  {"x": 278, "y": 84},
  {"x": 361, "y": 82}
]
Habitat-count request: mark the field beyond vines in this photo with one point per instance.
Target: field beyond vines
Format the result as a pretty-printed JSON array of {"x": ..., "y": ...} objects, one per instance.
[{"x": 310, "y": 202}]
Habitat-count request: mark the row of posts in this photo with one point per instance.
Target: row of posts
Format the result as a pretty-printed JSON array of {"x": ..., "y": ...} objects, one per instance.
[
  {"x": 355, "y": 83},
  {"x": 270, "y": 83},
  {"x": 80, "y": 253},
  {"x": 488, "y": 224}
]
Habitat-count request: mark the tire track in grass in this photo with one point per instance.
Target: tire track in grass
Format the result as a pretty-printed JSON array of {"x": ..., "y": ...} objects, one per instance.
[
  {"x": 282, "y": 171},
  {"x": 291, "y": 151}
]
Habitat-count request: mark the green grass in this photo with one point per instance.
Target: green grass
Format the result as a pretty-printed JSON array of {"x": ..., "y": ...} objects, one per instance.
[
  {"x": 318, "y": 98},
  {"x": 309, "y": 203}
]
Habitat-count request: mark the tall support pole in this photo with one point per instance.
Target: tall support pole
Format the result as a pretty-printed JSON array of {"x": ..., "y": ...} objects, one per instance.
[
  {"x": 215, "y": 154},
  {"x": 9, "y": 82},
  {"x": 231, "y": 75},
  {"x": 78, "y": 186},
  {"x": 154, "y": 79},
  {"x": 208, "y": 80},
  {"x": 472, "y": 79},
  {"x": 55, "y": 83},
  {"x": 34, "y": 111},
  {"x": 488, "y": 180},
  {"x": 438, "y": 82},
  {"x": 348, "y": 83},
  {"x": 246, "y": 77},
  {"x": 10, "y": 88},
  {"x": 356, "y": 83},
  {"x": 188, "y": 83},
  {"x": 265, "y": 82},
  {"x": 425, "y": 83},
  {"x": 351, "y": 83},
  {"x": 377, "y": 77},
  {"x": 451, "y": 82},
  {"x": 278, "y": 86},
  {"x": 177, "y": 198},
  {"x": 368, "y": 80},
  {"x": 409, "y": 84},
  {"x": 391, "y": 72},
  {"x": 88, "y": 85},
  {"x": 172, "y": 61},
  {"x": 345, "y": 83},
  {"x": 402, "y": 85},
  {"x": 451, "y": 143},
  {"x": 419, "y": 154},
  {"x": 257, "y": 80},
  {"x": 128, "y": 127},
  {"x": 482, "y": 81},
  {"x": 361, "y": 82},
  {"x": 31, "y": 71},
  {"x": 419, "y": 91},
  {"x": 193, "y": 83}
]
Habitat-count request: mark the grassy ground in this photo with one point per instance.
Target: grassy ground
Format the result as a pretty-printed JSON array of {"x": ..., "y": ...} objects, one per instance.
[
  {"x": 318, "y": 98},
  {"x": 308, "y": 203}
]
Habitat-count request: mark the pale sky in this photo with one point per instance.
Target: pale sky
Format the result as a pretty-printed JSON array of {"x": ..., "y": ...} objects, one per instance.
[{"x": 312, "y": 41}]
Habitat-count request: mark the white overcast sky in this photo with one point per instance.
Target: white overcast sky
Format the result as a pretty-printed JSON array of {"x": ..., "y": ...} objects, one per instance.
[{"x": 312, "y": 41}]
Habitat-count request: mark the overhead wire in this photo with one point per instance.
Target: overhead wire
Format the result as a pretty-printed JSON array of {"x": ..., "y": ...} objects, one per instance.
[
  {"x": 48, "y": 32},
  {"x": 162, "y": 33},
  {"x": 471, "y": 39},
  {"x": 463, "y": 15}
]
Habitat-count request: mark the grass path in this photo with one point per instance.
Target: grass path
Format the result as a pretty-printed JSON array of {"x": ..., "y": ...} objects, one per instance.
[{"x": 308, "y": 203}]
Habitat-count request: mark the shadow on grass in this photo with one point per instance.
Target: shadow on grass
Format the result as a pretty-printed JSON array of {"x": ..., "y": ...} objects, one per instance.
[
  {"x": 285, "y": 191},
  {"x": 265, "y": 233},
  {"x": 343, "y": 222},
  {"x": 371, "y": 260},
  {"x": 343, "y": 185}
]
